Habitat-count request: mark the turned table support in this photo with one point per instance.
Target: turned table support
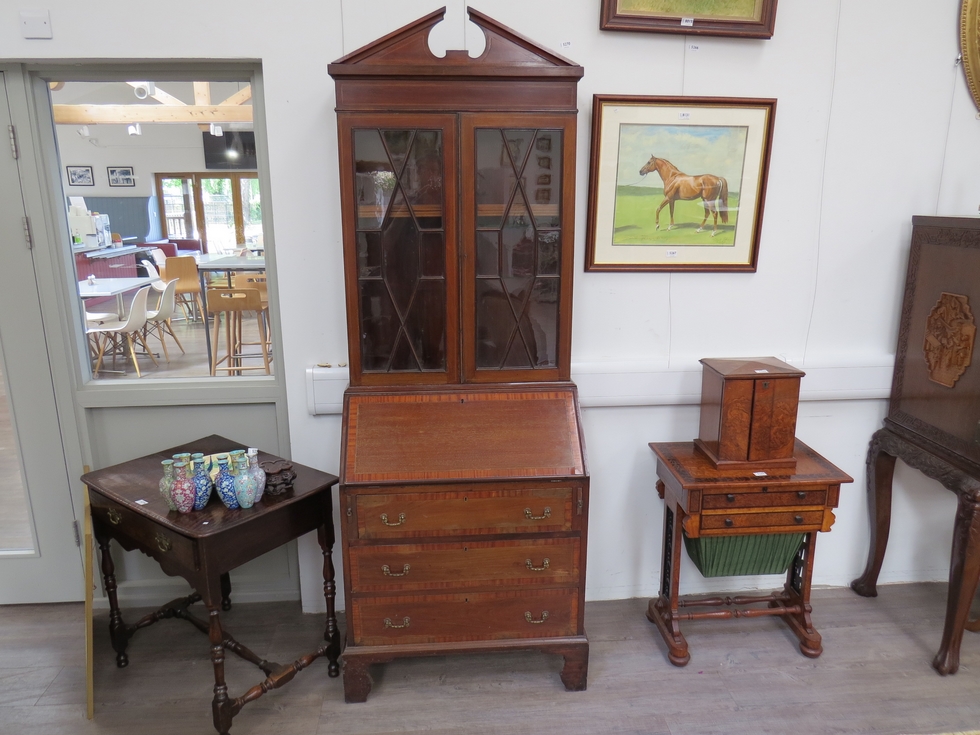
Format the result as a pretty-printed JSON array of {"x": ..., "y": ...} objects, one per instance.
[{"x": 964, "y": 569}]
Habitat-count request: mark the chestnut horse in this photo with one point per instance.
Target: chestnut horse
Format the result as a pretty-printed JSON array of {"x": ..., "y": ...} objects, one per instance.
[{"x": 713, "y": 190}]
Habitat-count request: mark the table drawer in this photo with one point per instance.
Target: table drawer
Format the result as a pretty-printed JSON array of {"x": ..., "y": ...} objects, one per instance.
[
  {"x": 133, "y": 530},
  {"x": 756, "y": 499},
  {"x": 465, "y": 512},
  {"x": 465, "y": 565},
  {"x": 774, "y": 522},
  {"x": 460, "y": 617}
]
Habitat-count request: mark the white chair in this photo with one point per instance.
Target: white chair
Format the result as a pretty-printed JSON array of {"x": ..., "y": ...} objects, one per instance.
[
  {"x": 158, "y": 322},
  {"x": 151, "y": 271},
  {"x": 110, "y": 333}
]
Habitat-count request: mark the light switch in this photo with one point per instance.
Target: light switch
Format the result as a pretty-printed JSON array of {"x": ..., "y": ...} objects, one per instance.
[{"x": 35, "y": 24}]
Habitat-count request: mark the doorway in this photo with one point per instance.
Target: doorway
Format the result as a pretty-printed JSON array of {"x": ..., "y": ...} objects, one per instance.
[{"x": 40, "y": 560}]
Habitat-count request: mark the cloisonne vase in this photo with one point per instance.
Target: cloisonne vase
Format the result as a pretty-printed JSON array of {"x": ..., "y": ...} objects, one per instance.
[
  {"x": 257, "y": 472},
  {"x": 202, "y": 483},
  {"x": 245, "y": 485},
  {"x": 183, "y": 491},
  {"x": 224, "y": 483},
  {"x": 167, "y": 483}
]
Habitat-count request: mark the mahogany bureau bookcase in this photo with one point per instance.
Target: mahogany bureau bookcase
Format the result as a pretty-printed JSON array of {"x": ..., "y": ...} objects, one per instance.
[{"x": 464, "y": 486}]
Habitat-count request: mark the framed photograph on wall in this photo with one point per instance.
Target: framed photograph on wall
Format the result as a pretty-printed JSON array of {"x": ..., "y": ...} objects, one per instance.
[
  {"x": 677, "y": 183},
  {"x": 121, "y": 176},
  {"x": 739, "y": 18},
  {"x": 80, "y": 176}
]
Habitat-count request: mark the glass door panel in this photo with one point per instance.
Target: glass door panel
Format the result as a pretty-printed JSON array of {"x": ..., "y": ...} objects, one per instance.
[
  {"x": 218, "y": 207},
  {"x": 179, "y": 208},
  {"x": 251, "y": 213},
  {"x": 401, "y": 234}
]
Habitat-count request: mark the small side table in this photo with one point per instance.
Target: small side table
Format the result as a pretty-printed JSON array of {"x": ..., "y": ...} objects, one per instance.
[
  {"x": 202, "y": 547},
  {"x": 702, "y": 502}
]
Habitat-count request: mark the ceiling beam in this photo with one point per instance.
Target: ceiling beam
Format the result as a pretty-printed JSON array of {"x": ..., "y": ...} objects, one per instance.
[
  {"x": 125, "y": 114},
  {"x": 242, "y": 95}
]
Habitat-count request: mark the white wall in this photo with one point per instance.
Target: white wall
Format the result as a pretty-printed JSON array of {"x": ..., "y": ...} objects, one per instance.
[{"x": 874, "y": 124}]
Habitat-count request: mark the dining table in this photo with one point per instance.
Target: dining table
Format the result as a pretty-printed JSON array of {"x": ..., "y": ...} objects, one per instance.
[
  {"x": 218, "y": 263},
  {"x": 106, "y": 287}
]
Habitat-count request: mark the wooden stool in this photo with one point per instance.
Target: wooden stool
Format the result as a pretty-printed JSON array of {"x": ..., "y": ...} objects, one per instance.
[{"x": 233, "y": 302}]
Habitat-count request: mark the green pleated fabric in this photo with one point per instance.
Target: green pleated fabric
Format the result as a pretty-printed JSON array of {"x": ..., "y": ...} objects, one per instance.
[{"x": 732, "y": 556}]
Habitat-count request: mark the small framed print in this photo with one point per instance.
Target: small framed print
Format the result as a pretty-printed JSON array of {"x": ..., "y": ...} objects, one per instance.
[
  {"x": 736, "y": 18},
  {"x": 121, "y": 176},
  {"x": 80, "y": 176},
  {"x": 677, "y": 183}
]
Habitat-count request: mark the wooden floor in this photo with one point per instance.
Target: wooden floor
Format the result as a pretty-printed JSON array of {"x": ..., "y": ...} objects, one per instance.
[{"x": 745, "y": 676}]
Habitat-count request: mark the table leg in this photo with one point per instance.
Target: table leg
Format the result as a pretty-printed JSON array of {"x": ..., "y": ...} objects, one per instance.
[
  {"x": 221, "y": 704},
  {"x": 325, "y": 536},
  {"x": 118, "y": 633},
  {"x": 880, "y": 470},
  {"x": 797, "y": 593},
  {"x": 663, "y": 611},
  {"x": 204, "y": 316},
  {"x": 964, "y": 571},
  {"x": 226, "y": 592}
]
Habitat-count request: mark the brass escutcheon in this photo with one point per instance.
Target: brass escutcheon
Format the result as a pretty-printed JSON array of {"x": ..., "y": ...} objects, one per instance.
[
  {"x": 389, "y": 624},
  {"x": 388, "y": 573},
  {"x": 163, "y": 543},
  {"x": 532, "y": 621},
  {"x": 114, "y": 516},
  {"x": 546, "y": 514},
  {"x": 384, "y": 519},
  {"x": 544, "y": 565}
]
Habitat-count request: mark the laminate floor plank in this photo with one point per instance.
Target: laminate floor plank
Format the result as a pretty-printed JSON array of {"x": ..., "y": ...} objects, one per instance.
[{"x": 745, "y": 677}]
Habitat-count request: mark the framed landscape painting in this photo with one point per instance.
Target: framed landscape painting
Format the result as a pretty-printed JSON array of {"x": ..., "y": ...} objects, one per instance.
[
  {"x": 677, "y": 183},
  {"x": 741, "y": 18}
]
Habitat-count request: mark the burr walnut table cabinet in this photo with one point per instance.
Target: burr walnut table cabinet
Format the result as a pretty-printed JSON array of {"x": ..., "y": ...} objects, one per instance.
[{"x": 464, "y": 487}]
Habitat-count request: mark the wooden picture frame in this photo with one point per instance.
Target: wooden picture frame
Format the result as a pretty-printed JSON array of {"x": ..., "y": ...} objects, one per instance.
[
  {"x": 756, "y": 20},
  {"x": 121, "y": 176},
  {"x": 710, "y": 153},
  {"x": 80, "y": 176}
]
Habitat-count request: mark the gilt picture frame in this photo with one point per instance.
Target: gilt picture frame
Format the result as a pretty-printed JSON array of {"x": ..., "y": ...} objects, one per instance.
[
  {"x": 735, "y": 18},
  {"x": 677, "y": 183},
  {"x": 970, "y": 46}
]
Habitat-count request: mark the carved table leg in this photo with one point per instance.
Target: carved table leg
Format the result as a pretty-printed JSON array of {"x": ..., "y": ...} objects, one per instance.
[
  {"x": 880, "y": 469},
  {"x": 357, "y": 681},
  {"x": 664, "y": 610},
  {"x": 798, "y": 593},
  {"x": 117, "y": 628},
  {"x": 226, "y": 592},
  {"x": 221, "y": 704},
  {"x": 964, "y": 569},
  {"x": 325, "y": 536}
]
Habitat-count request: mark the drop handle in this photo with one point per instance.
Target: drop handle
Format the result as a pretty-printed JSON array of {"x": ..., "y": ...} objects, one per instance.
[
  {"x": 531, "y": 517},
  {"x": 401, "y": 519},
  {"x": 115, "y": 517},
  {"x": 530, "y": 618},
  {"x": 544, "y": 565},
  {"x": 404, "y": 624},
  {"x": 386, "y": 570}
]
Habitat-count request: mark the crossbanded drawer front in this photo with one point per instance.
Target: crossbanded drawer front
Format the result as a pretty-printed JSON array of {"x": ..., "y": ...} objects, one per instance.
[
  {"x": 465, "y": 565},
  {"x": 462, "y": 512},
  {"x": 773, "y": 522},
  {"x": 770, "y": 499},
  {"x": 485, "y": 616}
]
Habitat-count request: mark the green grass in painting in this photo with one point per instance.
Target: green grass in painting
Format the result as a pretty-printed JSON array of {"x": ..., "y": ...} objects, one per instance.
[
  {"x": 635, "y": 222},
  {"x": 689, "y": 8}
]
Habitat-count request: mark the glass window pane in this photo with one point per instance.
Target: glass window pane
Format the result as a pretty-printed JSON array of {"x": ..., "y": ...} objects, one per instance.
[
  {"x": 542, "y": 178},
  {"x": 374, "y": 179},
  {"x": 219, "y": 214},
  {"x": 421, "y": 179},
  {"x": 252, "y": 214},
  {"x": 178, "y": 206},
  {"x": 379, "y": 326}
]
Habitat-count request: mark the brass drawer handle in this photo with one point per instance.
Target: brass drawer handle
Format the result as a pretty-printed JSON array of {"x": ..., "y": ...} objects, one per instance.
[
  {"x": 384, "y": 519},
  {"x": 163, "y": 543},
  {"x": 532, "y": 621},
  {"x": 798, "y": 519},
  {"x": 730, "y": 498},
  {"x": 729, "y": 522},
  {"x": 389, "y": 624},
  {"x": 544, "y": 565},
  {"x": 546, "y": 514},
  {"x": 388, "y": 573},
  {"x": 115, "y": 517}
]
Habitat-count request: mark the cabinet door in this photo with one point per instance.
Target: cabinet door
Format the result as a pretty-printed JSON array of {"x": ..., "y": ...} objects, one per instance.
[
  {"x": 398, "y": 179},
  {"x": 517, "y": 184}
]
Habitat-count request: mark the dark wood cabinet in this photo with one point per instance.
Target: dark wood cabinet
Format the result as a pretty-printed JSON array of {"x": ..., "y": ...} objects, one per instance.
[{"x": 463, "y": 480}]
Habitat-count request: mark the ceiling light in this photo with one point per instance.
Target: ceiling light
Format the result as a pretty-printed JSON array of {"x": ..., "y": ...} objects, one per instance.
[
  {"x": 231, "y": 153},
  {"x": 134, "y": 129},
  {"x": 216, "y": 130},
  {"x": 144, "y": 89}
]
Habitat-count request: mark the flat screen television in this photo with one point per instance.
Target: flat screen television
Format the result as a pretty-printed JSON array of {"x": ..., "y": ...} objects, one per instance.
[{"x": 233, "y": 150}]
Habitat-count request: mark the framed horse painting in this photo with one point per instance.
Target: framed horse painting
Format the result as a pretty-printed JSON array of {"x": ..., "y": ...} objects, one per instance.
[
  {"x": 740, "y": 18},
  {"x": 677, "y": 183}
]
